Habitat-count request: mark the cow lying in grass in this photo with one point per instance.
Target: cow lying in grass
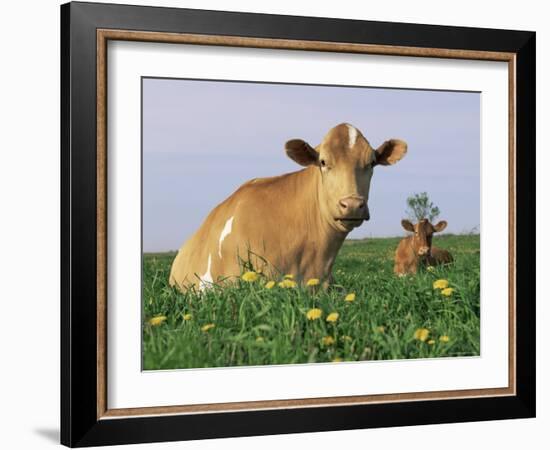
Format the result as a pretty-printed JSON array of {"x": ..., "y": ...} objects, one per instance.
[
  {"x": 293, "y": 223},
  {"x": 417, "y": 249}
]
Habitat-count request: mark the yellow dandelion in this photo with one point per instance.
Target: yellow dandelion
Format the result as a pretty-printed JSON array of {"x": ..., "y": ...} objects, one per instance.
[
  {"x": 157, "y": 320},
  {"x": 347, "y": 338},
  {"x": 431, "y": 342},
  {"x": 270, "y": 284},
  {"x": 312, "y": 282},
  {"x": 187, "y": 316},
  {"x": 447, "y": 292},
  {"x": 333, "y": 317},
  {"x": 444, "y": 338},
  {"x": 287, "y": 283},
  {"x": 350, "y": 297},
  {"x": 207, "y": 327},
  {"x": 381, "y": 329},
  {"x": 259, "y": 339},
  {"x": 421, "y": 334},
  {"x": 288, "y": 276},
  {"x": 440, "y": 284},
  {"x": 249, "y": 277},
  {"x": 327, "y": 340},
  {"x": 314, "y": 314},
  {"x": 430, "y": 269},
  {"x": 337, "y": 360}
]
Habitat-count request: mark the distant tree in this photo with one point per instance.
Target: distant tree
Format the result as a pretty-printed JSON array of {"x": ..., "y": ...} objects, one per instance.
[{"x": 419, "y": 206}]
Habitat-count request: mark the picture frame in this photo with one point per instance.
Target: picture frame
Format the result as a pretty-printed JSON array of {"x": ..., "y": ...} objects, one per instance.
[{"x": 86, "y": 418}]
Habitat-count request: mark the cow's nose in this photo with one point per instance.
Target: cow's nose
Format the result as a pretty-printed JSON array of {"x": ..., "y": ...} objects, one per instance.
[
  {"x": 352, "y": 206},
  {"x": 423, "y": 250}
]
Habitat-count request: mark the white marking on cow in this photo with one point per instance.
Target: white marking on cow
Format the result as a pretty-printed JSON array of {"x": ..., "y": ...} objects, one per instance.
[
  {"x": 225, "y": 232},
  {"x": 206, "y": 279},
  {"x": 352, "y": 132}
]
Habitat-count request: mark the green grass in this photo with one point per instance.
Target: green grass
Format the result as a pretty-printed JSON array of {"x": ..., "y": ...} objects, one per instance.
[{"x": 257, "y": 326}]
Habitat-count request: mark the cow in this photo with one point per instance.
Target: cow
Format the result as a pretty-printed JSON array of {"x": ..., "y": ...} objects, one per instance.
[
  {"x": 289, "y": 224},
  {"x": 417, "y": 249}
]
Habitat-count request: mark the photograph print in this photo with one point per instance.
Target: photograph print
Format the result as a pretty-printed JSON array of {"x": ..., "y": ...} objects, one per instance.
[{"x": 293, "y": 223}]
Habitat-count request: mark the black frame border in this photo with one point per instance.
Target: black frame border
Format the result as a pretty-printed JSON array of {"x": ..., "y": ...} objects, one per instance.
[{"x": 79, "y": 423}]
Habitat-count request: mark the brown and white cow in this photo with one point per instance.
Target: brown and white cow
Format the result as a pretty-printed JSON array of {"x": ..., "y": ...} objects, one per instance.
[
  {"x": 417, "y": 249},
  {"x": 293, "y": 223}
]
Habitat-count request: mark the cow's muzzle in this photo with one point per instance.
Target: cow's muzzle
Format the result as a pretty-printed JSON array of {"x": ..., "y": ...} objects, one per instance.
[{"x": 353, "y": 207}]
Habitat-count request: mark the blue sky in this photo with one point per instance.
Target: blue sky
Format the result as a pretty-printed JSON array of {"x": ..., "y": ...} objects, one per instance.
[{"x": 203, "y": 139}]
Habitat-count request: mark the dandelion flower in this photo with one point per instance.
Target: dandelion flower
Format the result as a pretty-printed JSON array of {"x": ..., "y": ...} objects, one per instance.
[
  {"x": 287, "y": 283},
  {"x": 444, "y": 338},
  {"x": 249, "y": 277},
  {"x": 431, "y": 342},
  {"x": 157, "y": 320},
  {"x": 259, "y": 339},
  {"x": 337, "y": 360},
  {"x": 270, "y": 284},
  {"x": 421, "y": 334},
  {"x": 314, "y": 314},
  {"x": 347, "y": 338},
  {"x": 447, "y": 292},
  {"x": 187, "y": 316},
  {"x": 288, "y": 276},
  {"x": 350, "y": 297},
  {"x": 207, "y": 327},
  {"x": 327, "y": 340},
  {"x": 441, "y": 284},
  {"x": 430, "y": 269},
  {"x": 333, "y": 317},
  {"x": 381, "y": 329},
  {"x": 312, "y": 282}
]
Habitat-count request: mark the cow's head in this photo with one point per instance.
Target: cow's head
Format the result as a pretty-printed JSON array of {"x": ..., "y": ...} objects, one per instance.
[
  {"x": 423, "y": 232},
  {"x": 345, "y": 160}
]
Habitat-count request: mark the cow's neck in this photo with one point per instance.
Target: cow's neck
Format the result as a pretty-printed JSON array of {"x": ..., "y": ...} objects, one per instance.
[
  {"x": 413, "y": 254},
  {"x": 328, "y": 239}
]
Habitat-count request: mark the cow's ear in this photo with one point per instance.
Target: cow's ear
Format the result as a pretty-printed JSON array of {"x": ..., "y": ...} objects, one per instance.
[
  {"x": 390, "y": 152},
  {"x": 440, "y": 226},
  {"x": 407, "y": 225},
  {"x": 301, "y": 152}
]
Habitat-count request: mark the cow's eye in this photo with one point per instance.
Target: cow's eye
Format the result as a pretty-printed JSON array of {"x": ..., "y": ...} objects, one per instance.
[{"x": 323, "y": 163}]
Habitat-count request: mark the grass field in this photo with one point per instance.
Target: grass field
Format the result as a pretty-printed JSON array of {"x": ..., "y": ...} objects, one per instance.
[{"x": 390, "y": 318}]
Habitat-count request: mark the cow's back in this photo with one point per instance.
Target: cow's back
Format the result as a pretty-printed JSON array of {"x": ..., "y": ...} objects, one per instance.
[{"x": 441, "y": 256}]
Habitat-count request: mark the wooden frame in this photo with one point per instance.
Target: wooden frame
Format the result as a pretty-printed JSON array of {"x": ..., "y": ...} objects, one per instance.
[{"x": 86, "y": 418}]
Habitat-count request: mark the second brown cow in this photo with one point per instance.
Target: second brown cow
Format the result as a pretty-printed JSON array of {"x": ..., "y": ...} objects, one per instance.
[{"x": 416, "y": 250}]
